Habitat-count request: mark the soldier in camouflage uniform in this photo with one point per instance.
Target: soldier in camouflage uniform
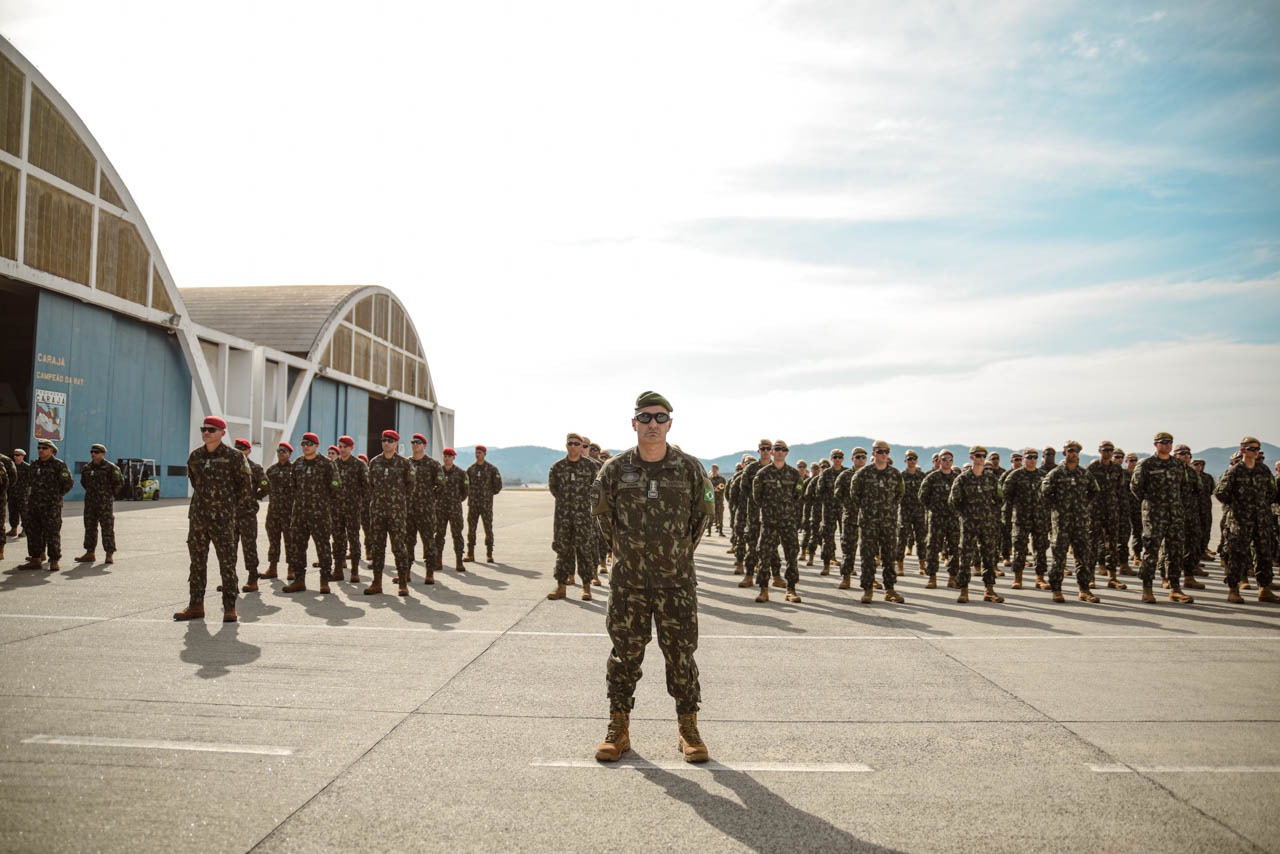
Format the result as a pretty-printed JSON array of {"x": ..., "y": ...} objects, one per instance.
[
  {"x": 1207, "y": 486},
  {"x": 50, "y": 479},
  {"x": 452, "y": 493},
  {"x": 315, "y": 483},
  {"x": 427, "y": 484},
  {"x": 1105, "y": 512},
  {"x": 364, "y": 510},
  {"x": 828, "y": 507},
  {"x": 220, "y": 480},
  {"x": 279, "y": 506},
  {"x": 391, "y": 483},
  {"x": 776, "y": 491},
  {"x": 101, "y": 480},
  {"x": 1070, "y": 493},
  {"x": 975, "y": 498},
  {"x": 849, "y": 531},
  {"x": 484, "y": 481},
  {"x": 738, "y": 514},
  {"x": 1134, "y": 508},
  {"x": 747, "y": 548},
  {"x": 911, "y": 526},
  {"x": 1158, "y": 484},
  {"x": 718, "y": 484},
  {"x": 572, "y": 535},
  {"x": 943, "y": 536},
  {"x": 8, "y": 491},
  {"x": 1123, "y": 528},
  {"x": 652, "y": 502},
  {"x": 17, "y": 493},
  {"x": 1027, "y": 514},
  {"x": 1048, "y": 460},
  {"x": 353, "y": 493},
  {"x": 1006, "y": 512},
  {"x": 877, "y": 490},
  {"x": 247, "y": 515},
  {"x": 1247, "y": 491},
  {"x": 1192, "y": 490}
]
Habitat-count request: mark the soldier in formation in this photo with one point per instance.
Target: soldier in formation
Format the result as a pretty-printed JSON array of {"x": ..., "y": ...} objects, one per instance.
[
  {"x": 1030, "y": 524},
  {"x": 49, "y": 481},
  {"x": 453, "y": 491},
  {"x": 876, "y": 491},
  {"x": 353, "y": 494},
  {"x": 848, "y": 517},
  {"x": 776, "y": 491},
  {"x": 427, "y": 483},
  {"x": 101, "y": 480},
  {"x": 911, "y": 513},
  {"x": 573, "y": 536},
  {"x": 975, "y": 498},
  {"x": 718, "y": 483},
  {"x": 483, "y": 482},
  {"x": 315, "y": 483},
  {"x": 17, "y": 493},
  {"x": 943, "y": 534},
  {"x": 247, "y": 515},
  {"x": 1159, "y": 482},
  {"x": 391, "y": 483},
  {"x": 1247, "y": 492},
  {"x": 1070, "y": 495},
  {"x": 279, "y": 506}
]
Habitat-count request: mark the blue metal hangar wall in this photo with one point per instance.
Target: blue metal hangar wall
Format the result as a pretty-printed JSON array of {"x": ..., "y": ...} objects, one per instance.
[{"x": 97, "y": 344}]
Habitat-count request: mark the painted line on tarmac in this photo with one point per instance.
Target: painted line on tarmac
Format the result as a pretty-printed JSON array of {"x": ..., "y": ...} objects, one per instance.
[
  {"x": 1185, "y": 769},
  {"x": 158, "y": 744},
  {"x": 648, "y": 765}
]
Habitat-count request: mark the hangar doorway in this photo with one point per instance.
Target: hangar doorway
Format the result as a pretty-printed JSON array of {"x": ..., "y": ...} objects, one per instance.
[
  {"x": 382, "y": 416},
  {"x": 17, "y": 361}
]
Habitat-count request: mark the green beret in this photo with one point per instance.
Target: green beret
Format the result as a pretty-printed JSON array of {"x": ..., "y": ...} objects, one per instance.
[{"x": 652, "y": 398}]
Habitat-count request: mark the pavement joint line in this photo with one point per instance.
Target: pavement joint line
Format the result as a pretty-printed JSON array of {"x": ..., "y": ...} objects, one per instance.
[
  {"x": 1185, "y": 769},
  {"x": 712, "y": 766},
  {"x": 158, "y": 744},
  {"x": 1048, "y": 636}
]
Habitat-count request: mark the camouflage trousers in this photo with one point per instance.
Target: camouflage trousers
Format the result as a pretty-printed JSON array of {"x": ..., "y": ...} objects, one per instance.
[
  {"x": 1244, "y": 544},
  {"x": 247, "y": 541},
  {"x": 449, "y": 517},
  {"x": 630, "y": 619},
  {"x": 99, "y": 514},
  {"x": 389, "y": 523},
  {"x": 221, "y": 533},
  {"x": 718, "y": 516},
  {"x": 943, "y": 538},
  {"x": 1105, "y": 526},
  {"x": 828, "y": 534},
  {"x": 17, "y": 502},
  {"x": 1206, "y": 525},
  {"x": 748, "y": 549},
  {"x": 1006, "y": 533},
  {"x": 739, "y": 534},
  {"x": 276, "y": 525},
  {"x": 1071, "y": 534},
  {"x": 911, "y": 529},
  {"x": 849, "y": 536},
  {"x": 304, "y": 528},
  {"x": 1135, "y": 529},
  {"x": 979, "y": 542},
  {"x": 346, "y": 531},
  {"x": 1034, "y": 527},
  {"x": 477, "y": 513},
  {"x": 879, "y": 540},
  {"x": 422, "y": 526},
  {"x": 43, "y": 525},
  {"x": 575, "y": 548},
  {"x": 773, "y": 535},
  {"x": 1125, "y": 531},
  {"x": 1162, "y": 546},
  {"x": 1191, "y": 551}
]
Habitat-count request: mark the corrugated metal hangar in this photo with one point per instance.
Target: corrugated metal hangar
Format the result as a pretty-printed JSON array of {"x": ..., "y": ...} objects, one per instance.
[{"x": 98, "y": 345}]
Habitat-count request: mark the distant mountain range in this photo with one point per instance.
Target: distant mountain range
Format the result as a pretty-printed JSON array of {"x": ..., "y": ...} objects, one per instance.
[{"x": 529, "y": 463}]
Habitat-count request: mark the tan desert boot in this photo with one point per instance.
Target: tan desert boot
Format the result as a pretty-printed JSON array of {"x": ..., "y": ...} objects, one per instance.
[
  {"x": 992, "y": 596},
  {"x": 691, "y": 744},
  {"x": 617, "y": 739},
  {"x": 87, "y": 557},
  {"x": 193, "y": 612},
  {"x": 559, "y": 593},
  {"x": 1148, "y": 594}
]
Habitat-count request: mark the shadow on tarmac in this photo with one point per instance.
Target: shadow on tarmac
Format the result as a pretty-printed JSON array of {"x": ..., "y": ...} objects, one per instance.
[
  {"x": 763, "y": 821},
  {"x": 87, "y": 570},
  {"x": 217, "y": 654},
  {"x": 19, "y": 578}
]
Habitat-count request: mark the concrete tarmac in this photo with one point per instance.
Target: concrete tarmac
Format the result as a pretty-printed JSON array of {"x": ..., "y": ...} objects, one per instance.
[{"x": 465, "y": 717}]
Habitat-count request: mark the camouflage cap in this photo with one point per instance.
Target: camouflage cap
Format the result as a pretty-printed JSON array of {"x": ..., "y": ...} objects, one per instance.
[
  {"x": 824, "y": 464},
  {"x": 857, "y": 451},
  {"x": 1131, "y": 456},
  {"x": 1048, "y": 449},
  {"x": 935, "y": 456},
  {"x": 977, "y": 449},
  {"x": 994, "y": 455},
  {"x": 880, "y": 445},
  {"x": 1163, "y": 435},
  {"x": 1071, "y": 444},
  {"x": 836, "y": 452},
  {"x": 912, "y": 455},
  {"x": 1179, "y": 448},
  {"x": 764, "y": 442},
  {"x": 1198, "y": 463},
  {"x": 98, "y": 446},
  {"x": 45, "y": 443},
  {"x": 1015, "y": 455},
  {"x": 569, "y": 437},
  {"x": 779, "y": 442},
  {"x": 652, "y": 398},
  {"x": 1118, "y": 452},
  {"x": 1030, "y": 452},
  {"x": 747, "y": 458},
  {"x": 1249, "y": 440},
  {"x": 18, "y": 452},
  {"x": 1105, "y": 445},
  {"x": 945, "y": 452},
  {"x": 802, "y": 465}
]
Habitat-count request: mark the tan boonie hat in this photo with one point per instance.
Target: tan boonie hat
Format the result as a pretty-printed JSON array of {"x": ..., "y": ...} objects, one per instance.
[
  {"x": 1163, "y": 435},
  {"x": 1071, "y": 443}
]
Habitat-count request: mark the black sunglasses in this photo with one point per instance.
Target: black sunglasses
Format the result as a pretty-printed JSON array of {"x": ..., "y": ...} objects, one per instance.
[
  {"x": 646, "y": 417},
  {"x": 209, "y": 429}
]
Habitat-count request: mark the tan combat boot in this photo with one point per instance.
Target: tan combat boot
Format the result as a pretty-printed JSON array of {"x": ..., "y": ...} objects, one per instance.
[
  {"x": 471, "y": 556},
  {"x": 403, "y": 578},
  {"x": 1058, "y": 597},
  {"x": 738, "y": 568},
  {"x": 1086, "y": 596},
  {"x": 1266, "y": 594},
  {"x": 963, "y": 597},
  {"x": 690, "y": 741},
  {"x": 844, "y": 583},
  {"x": 617, "y": 739},
  {"x": 431, "y": 577},
  {"x": 1148, "y": 594},
  {"x": 559, "y": 593},
  {"x": 897, "y": 565},
  {"x": 87, "y": 557},
  {"x": 229, "y": 615},
  {"x": 54, "y": 566},
  {"x": 1041, "y": 583},
  {"x": 110, "y": 558},
  {"x": 867, "y": 596},
  {"x": 892, "y": 595},
  {"x": 586, "y": 593},
  {"x": 271, "y": 572},
  {"x": 932, "y": 583},
  {"x": 1233, "y": 595},
  {"x": 992, "y": 596},
  {"x": 1115, "y": 583},
  {"x": 376, "y": 587},
  {"x": 792, "y": 595},
  {"x": 826, "y": 568},
  {"x": 809, "y": 562},
  {"x": 1176, "y": 595},
  {"x": 193, "y": 612},
  {"x": 459, "y": 567},
  {"x": 250, "y": 587},
  {"x": 746, "y": 582},
  {"x": 1017, "y": 580},
  {"x": 778, "y": 582},
  {"x": 488, "y": 557},
  {"x": 298, "y": 585},
  {"x": 764, "y": 594},
  {"x": 1190, "y": 581}
]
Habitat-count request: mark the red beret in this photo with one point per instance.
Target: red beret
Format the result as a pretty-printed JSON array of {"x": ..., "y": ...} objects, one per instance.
[
  {"x": 333, "y": 448},
  {"x": 347, "y": 440},
  {"x": 482, "y": 448},
  {"x": 391, "y": 434},
  {"x": 215, "y": 421},
  {"x": 421, "y": 438},
  {"x": 311, "y": 437},
  {"x": 243, "y": 443},
  {"x": 450, "y": 452},
  {"x": 286, "y": 446},
  {"x": 363, "y": 457}
]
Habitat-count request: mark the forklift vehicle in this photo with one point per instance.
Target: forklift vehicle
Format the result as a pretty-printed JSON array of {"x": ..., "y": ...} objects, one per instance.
[{"x": 141, "y": 479}]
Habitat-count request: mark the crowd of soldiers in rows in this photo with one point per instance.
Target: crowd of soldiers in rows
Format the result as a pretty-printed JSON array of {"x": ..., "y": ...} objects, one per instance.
[{"x": 983, "y": 515}]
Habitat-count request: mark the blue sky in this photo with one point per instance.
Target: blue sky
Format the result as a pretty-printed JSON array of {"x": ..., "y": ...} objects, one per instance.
[{"x": 1010, "y": 223}]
